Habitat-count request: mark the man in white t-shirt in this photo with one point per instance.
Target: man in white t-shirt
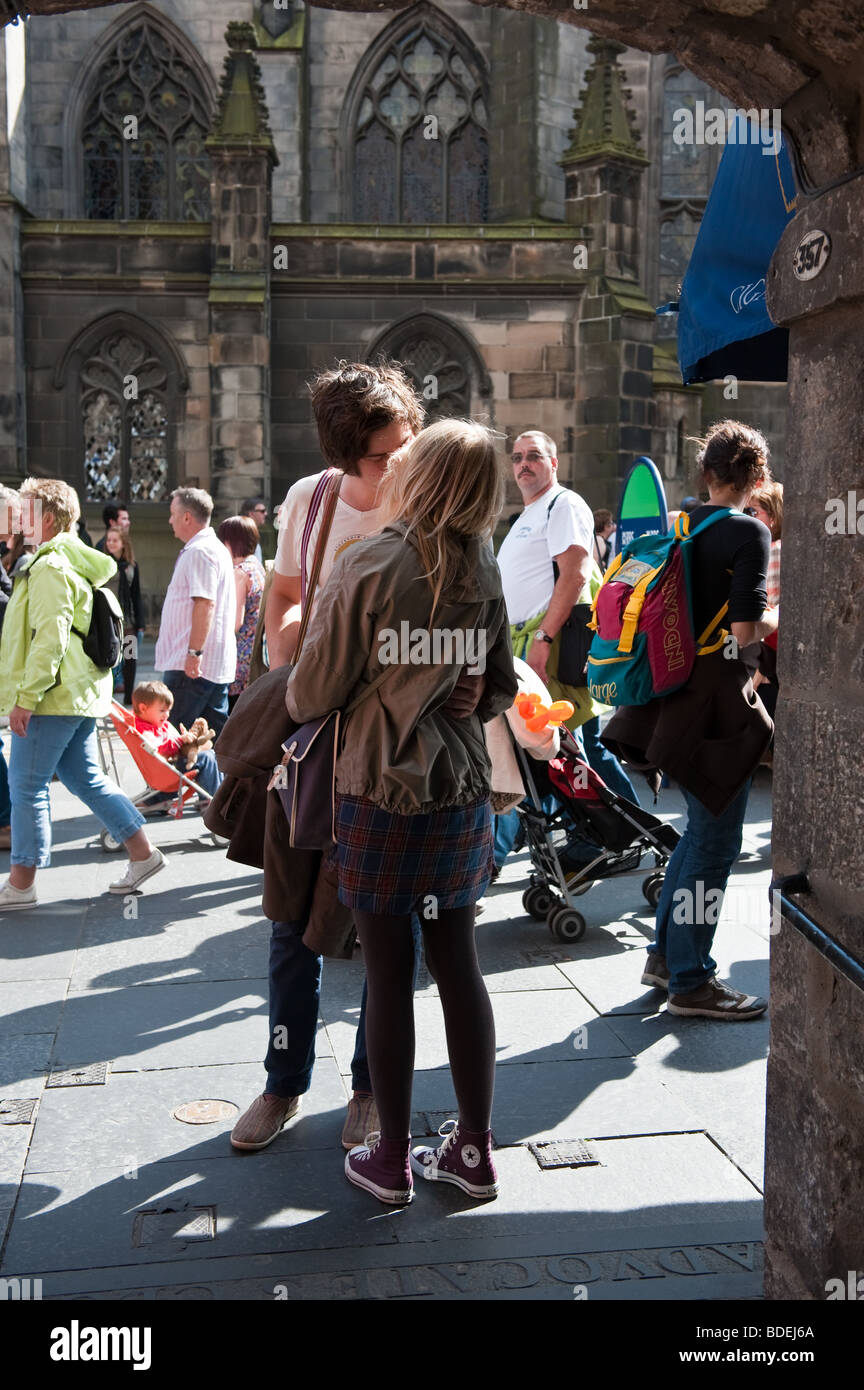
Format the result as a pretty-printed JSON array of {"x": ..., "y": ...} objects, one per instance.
[
  {"x": 197, "y": 649},
  {"x": 556, "y": 527}
]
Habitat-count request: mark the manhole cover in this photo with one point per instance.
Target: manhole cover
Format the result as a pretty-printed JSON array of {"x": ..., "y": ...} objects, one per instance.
[
  {"x": 205, "y": 1112},
  {"x": 165, "y": 1226},
  {"x": 563, "y": 1153},
  {"x": 16, "y": 1112},
  {"x": 425, "y": 1122},
  {"x": 96, "y": 1074}
]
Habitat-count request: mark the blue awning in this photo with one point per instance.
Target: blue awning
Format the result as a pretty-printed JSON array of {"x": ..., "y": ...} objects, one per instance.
[{"x": 723, "y": 323}]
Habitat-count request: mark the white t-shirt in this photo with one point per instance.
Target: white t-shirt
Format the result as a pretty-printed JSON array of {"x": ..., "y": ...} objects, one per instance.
[
  {"x": 527, "y": 551},
  {"x": 348, "y": 526}
]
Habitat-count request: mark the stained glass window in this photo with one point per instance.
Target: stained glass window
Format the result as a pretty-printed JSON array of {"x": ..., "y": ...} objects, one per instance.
[
  {"x": 420, "y": 133},
  {"x": 143, "y": 134},
  {"x": 125, "y": 418},
  {"x": 677, "y": 238},
  {"x": 688, "y": 164}
]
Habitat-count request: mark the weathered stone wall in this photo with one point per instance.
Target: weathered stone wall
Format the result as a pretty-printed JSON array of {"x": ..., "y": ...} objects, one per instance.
[
  {"x": 814, "y": 1194},
  {"x": 761, "y": 404},
  {"x": 525, "y": 341}
]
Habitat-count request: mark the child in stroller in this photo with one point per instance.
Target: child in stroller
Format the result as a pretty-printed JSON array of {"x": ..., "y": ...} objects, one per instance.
[{"x": 619, "y": 831}]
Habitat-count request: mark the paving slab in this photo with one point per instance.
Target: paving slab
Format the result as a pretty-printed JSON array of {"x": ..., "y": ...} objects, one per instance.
[
  {"x": 85, "y": 1217},
  {"x": 555, "y": 1100},
  {"x": 31, "y": 1006},
  {"x": 40, "y": 944},
  {"x": 637, "y": 1183},
  {"x": 131, "y": 1120},
  {"x": 715, "y": 1071},
  {"x": 115, "y": 952},
  {"x": 24, "y": 1064},
  {"x": 169, "y": 1025},
  {"x": 721, "y": 1260}
]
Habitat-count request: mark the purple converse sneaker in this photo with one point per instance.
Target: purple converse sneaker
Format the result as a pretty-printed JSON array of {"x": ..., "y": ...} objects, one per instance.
[
  {"x": 381, "y": 1166},
  {"x": 464, "y": 1159}
]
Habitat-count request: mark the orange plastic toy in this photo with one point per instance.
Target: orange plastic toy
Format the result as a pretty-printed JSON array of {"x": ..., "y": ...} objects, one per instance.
[{"x": 537, "y": 715}]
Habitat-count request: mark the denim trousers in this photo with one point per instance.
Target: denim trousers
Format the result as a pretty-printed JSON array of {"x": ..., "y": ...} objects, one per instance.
[
  {"x": 65, "y": 744},
  {"x": 209, "y": 777},
  {"x": 295, "y": 992},
  {"x": 686, "y": 916},
  {"x": 5, "y": 803},
  {"x": 194, "y": 698}
]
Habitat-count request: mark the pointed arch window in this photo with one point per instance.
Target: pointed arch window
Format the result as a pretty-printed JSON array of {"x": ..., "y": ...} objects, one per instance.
[
  {"x": 143, "y": 133},
  {"x": 445, "y": 367},
  {"x": 418, "y": 129},
  {"x": 124, "y": 413}
]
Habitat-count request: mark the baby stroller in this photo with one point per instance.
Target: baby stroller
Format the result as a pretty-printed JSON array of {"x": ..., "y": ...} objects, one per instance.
[
  {"x": 620, "y": 831},
  {"x": 159, "y": 773}
]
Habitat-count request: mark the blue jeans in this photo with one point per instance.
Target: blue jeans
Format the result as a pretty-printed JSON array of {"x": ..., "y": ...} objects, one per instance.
[
  {"x": 65, "y": 744},
  {"x": 209, "y": 777},
  {"x": 5, "y": 803},
  {"x": 193, "y": 698},
  {"x": 686, "y": 916},
  {"x": 295, "y": 991},
  {"x": 605, "y": 764}
]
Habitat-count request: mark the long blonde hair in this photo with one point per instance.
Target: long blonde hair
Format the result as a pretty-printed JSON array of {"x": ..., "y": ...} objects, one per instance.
[{"x": 446, "y": 486}]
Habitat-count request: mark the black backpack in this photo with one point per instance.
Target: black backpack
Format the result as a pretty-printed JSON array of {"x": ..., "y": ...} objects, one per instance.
[{"x": 103, "y": 640}]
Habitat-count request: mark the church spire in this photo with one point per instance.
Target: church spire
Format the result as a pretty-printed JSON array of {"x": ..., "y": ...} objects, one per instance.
[
  {"x": 605, "y": 124},
  {"x": 241, "y": 115}
]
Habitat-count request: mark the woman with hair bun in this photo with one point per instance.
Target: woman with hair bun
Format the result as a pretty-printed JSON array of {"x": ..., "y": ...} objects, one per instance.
[{"x": 713, "y": 731}]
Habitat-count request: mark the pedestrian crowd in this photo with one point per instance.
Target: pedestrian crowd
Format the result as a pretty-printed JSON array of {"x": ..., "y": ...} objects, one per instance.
[{"x": 278, "y": 704}]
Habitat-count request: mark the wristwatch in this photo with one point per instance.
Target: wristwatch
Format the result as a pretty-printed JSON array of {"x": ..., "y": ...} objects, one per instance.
[
  {"x": 190, "y": 651},
  {"x": 542, "y": 636}
]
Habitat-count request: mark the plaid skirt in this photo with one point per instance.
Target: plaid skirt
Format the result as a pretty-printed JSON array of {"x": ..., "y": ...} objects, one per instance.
[{"x": 390, "y": 863}]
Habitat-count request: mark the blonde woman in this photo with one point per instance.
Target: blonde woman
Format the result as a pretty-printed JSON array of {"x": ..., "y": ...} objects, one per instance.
[
  {"x": 53, "y": 695},
  {"x": 420, "y": 600}
]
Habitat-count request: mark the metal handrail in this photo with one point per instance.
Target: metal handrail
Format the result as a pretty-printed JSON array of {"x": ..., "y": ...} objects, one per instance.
[{"x": 836, "y": 955}]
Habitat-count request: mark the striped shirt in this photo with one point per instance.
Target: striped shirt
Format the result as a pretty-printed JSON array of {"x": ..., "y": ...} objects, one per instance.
[
  {"x": 204, "y": 569},
  {"x": 773, "y": 577}
]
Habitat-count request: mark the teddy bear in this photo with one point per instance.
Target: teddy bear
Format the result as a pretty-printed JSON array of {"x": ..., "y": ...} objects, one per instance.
[{"x": 195, "y": 738}]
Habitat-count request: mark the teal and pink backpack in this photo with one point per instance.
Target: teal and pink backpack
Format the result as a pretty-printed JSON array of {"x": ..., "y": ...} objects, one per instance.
[{"x": 644, "y": 645}]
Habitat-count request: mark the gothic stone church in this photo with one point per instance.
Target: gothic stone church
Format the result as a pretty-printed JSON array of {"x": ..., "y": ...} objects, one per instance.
[{"x": 200, "y": 205}]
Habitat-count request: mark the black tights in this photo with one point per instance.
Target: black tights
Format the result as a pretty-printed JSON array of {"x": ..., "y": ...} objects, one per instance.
[{"x": 388, "y": 953}]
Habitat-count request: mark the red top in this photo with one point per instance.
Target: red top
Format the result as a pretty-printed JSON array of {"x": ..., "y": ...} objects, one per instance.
[{"x": 167, "y": 736}]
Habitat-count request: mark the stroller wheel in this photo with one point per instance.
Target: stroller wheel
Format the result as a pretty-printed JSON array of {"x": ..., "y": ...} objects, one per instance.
[
  {"x": 537, "y": 900},
  {"x": 652, "y": 887},
  {"x": 567, "y": 924},
  {"x": 109, "y": 844}
]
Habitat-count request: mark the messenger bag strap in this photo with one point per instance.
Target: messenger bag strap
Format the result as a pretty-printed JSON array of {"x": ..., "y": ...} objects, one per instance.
[{"x": 332, "y": 485}]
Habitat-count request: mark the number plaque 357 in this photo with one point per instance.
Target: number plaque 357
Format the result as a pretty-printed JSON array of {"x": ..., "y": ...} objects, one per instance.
[{"x": 811, "y": 255}]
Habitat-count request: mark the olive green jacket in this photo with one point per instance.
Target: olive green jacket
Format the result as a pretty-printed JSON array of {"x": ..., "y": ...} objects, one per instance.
[
  {"x": 399, "y": 750},
  {"x": 43, "y": 666}
]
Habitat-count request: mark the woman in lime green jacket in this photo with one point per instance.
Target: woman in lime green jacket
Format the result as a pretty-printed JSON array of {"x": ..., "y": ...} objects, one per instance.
[{"x": 54, "y": 693}]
